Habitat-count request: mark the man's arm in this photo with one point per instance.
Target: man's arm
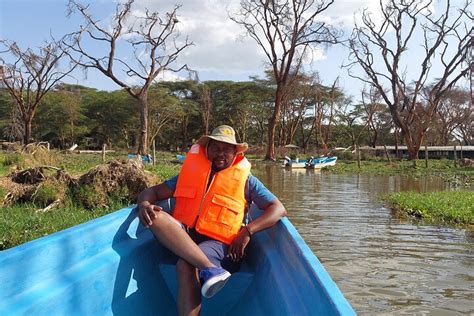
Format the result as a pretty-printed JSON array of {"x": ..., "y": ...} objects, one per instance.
[
  {"x": 146, "y": 202},
  {"x": 273, "y": 212}
]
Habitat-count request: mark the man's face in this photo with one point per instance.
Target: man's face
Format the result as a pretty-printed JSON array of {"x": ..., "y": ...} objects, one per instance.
[{"x": 220, "y": 154}]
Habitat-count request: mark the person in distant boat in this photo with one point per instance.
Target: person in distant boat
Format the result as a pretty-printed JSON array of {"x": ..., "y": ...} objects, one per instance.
[{"x": 206, "y": 229}]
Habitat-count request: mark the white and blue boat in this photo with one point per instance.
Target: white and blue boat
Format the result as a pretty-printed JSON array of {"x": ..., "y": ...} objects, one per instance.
[{"x": 311, "y": 163}]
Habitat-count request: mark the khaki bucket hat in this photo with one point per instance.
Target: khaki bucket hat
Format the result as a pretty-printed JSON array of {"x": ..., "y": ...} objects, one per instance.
[{"x": 226, "y": 134}]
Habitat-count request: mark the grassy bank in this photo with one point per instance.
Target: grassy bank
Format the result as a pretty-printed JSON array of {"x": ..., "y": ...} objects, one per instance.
[
  {"x": 445, "y": 207},
  {"x": 20, "y": 222},
  {"x": 444, "y": 168}
]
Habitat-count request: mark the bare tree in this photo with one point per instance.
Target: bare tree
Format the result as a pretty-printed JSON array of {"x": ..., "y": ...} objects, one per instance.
[
  {"x": 28, "y": 75},
  {"x": 378, "y": 49},
  {"x": 285, "y": 30},
  {"x": 154, "y": 39}
]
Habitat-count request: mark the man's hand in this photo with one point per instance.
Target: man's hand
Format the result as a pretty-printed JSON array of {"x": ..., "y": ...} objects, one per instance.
[
  {"x": 237, "y": 247},
  {"x": 147, "y": 212}
]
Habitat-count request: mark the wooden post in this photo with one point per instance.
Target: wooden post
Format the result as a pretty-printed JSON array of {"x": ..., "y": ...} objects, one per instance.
[
  {"x": 386, "y": 154},
  {"x": 103, "y": 152},
  {"x": 154, "y": 151},
  {"x": 455, "y": 157},
  {"x": 358, "y": 155},
  {"x": 426, "y": 156}
]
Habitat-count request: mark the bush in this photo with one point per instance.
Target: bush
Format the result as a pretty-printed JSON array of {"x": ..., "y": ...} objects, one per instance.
[
  {"x": 48, "y": 192},
  {"x": 88, "y": 196},
  {"x": 11, "y": 159},
  {"x": 345, "y": 155},
  {"x": 451, "y": 207}
]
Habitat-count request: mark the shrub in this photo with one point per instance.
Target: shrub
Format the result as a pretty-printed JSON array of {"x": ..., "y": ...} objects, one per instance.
[
  {"x": 11, "y": 159},
  {"x": 48, "y": 192},
  {"x": 89, "y": 196},
  {"x": 345, "y": 155}
]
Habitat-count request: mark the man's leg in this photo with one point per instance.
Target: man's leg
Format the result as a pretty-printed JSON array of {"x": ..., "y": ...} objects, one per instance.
[
  {"x": 171, "y": 235},
  {"x": 189, "y": 294}
]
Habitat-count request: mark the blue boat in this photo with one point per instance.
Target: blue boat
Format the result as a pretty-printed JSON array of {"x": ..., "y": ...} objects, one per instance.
[
  {"x": 180, "y": 158},
  {"x": 310, "y": 163},
  {"x": 321, "y": 162},
  {"x": 114, "y": 266},
  {"x": 144, "y": 158}
]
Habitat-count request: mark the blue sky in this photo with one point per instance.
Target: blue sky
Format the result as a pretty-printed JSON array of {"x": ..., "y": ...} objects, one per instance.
[{"x": 219, "y": 52}]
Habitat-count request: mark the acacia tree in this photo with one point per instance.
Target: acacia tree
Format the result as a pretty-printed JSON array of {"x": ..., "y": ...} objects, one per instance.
[
  {"x": 327, "y": 100},
  {"x": 453, "y": 111},
  {"x": 28, "y": 75},
  {"x": 350, "y": 121},
  {"x": 375, "y": 114},
  {"x": 153, "y": 38},
  {"x": 465, "y": 131},
  {"x": 297, "y": 103},
  {"x": 284, "y": 30},
  {"x": 163, "y": 109},
  {"x": 379, "y": 49}
]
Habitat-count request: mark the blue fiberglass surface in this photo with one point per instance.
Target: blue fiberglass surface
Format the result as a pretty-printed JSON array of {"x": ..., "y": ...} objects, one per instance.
[{"x": 111, "y": 266}]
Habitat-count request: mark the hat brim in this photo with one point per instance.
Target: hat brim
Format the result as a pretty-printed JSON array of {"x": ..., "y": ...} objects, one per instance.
[{"x": 241, "y": 147}]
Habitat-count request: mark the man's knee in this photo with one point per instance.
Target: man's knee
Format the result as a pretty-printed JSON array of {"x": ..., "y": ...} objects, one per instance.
[{"x": 163, "y": 218}]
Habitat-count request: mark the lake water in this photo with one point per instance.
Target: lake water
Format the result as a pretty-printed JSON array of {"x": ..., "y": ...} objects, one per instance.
[{"x": 382, "y": 264}]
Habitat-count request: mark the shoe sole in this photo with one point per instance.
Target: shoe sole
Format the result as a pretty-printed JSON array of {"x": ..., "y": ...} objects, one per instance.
[{"x": 214, "y": 285}]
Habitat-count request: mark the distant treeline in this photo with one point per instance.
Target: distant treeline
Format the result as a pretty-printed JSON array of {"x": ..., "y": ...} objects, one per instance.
[{"x": 314, "y": 116}]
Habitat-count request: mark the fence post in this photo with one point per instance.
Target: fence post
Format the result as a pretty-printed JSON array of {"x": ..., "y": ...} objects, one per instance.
[
  {"x": 358, "y": 156},
  {"x": 103, "y": 152},
  {"x": 154, "y": 151},
  {"x": 386, "y": 154},
  {"x": 455, "y": 157},
  {"x": 426, "y": 156}
]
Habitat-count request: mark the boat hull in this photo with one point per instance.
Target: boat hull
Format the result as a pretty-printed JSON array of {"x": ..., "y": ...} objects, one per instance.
[{"x": 112, "y": 265}]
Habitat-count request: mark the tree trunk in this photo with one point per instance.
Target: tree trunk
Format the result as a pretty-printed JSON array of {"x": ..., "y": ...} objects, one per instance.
[
  {"x": 270, "y": 155},
  {"x": 27, "y": 135},
  {"x": 143, "y": 139}
]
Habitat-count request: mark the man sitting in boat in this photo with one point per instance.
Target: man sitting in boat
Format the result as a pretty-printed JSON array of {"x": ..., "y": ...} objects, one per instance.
[{"x": 205, "y": 230}]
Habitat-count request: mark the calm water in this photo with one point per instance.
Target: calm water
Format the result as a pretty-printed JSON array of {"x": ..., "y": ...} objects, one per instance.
[{"x": 382, "y": 264}]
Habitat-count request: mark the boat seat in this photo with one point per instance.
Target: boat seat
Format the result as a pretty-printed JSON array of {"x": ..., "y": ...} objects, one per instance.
[{"x": 221, "y": 303}]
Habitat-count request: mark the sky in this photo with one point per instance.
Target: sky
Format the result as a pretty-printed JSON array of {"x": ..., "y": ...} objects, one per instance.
[{"x": 221, "y": 51}]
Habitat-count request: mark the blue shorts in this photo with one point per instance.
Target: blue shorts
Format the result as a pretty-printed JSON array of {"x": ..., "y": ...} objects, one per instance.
[{"x": 215, "y": 251}]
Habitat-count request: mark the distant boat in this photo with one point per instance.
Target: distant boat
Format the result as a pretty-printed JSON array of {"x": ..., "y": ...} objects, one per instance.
[
  {"x": 295, "y": 163},
  {"x": 114, "y": 266},
  {"x": 321, "y": 162},
  {"x": 145, "y": 158},
  {"x": 311, "y": 163},
  {"x": 180, "y": 158}
]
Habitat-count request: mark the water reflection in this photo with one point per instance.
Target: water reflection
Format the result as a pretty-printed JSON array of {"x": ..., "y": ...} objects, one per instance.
[{"x": 383, "y": 264}]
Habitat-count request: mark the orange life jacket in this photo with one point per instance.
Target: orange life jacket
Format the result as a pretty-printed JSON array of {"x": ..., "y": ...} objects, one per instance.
[{"x": 217, "y": 212}]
